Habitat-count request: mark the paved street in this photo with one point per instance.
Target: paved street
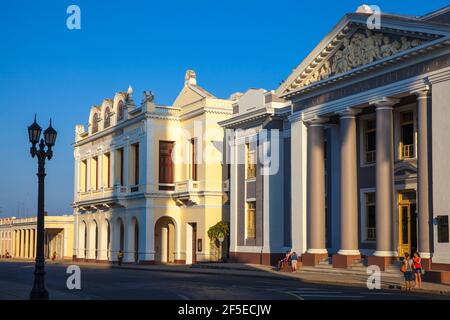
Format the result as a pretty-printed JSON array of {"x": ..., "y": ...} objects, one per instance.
[{"x": 102, "y": 282}]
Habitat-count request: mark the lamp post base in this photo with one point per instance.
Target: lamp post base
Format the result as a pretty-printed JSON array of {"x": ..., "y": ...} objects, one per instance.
[{"x": 39, "y": 294}]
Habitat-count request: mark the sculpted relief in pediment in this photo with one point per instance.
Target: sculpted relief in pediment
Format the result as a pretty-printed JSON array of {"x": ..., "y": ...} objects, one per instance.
[{"x": 363, "y": 47}]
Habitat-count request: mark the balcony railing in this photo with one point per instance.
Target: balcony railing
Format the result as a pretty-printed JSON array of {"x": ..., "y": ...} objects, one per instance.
[
  {"x": 407, "y": 151},
  {"x": 371, "y": 156},
  {"x": 186, "y": 186},
  {"x": 371, "y": 234},
  {"x": 102, "y": 193}
]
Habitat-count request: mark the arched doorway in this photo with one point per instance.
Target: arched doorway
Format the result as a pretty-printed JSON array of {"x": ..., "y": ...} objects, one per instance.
[
  {"x": 121, "y": 235},
  {"x": 105, "y": 241},
  {"x": 165, "y": 239},
  {"x": 134, "y": 238}
]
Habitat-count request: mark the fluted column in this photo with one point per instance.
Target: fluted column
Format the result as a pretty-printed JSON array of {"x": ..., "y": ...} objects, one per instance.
[
  {"x": 22, "y": 243},
  {"x": 348, "y": 191},
  {"x": 316, "y": 193},
  {"x": 423, "y": 102},
  {"x": 27, "y": 243},
  {"x": 17, "y": 243},
  {"x": 384, "y": 195}
]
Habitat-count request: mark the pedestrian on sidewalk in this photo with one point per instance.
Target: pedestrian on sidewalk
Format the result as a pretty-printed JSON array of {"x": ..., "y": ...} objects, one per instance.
[
  {"x": 284, "y": 260},
  {"x": 417, "y": 262},
  {"x": 294, "y": 262},
  {"x": 120, "y": 257},
  {"x": 407, "y": 269}
]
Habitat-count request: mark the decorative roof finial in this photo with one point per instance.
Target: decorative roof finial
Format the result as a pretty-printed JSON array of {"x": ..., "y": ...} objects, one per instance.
[
  {"x": 190, "y": 77},
  {"x": 130, "y": 90}
]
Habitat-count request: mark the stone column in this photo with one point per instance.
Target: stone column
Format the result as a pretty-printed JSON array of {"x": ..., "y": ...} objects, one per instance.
[
  {"x": 103, "y": 240},
  {"x": 17, "y": 243},
  {"x": 316, "y": 194},
  {"x": 22, "y": 243},
  {"x": 384, "y": 195},
  {"x": 32, "y": 243},
  {"x": 147, "y": 236},
  {"x": 27, "y": 243},
  {"x": 126, "y": 164},
  {"x": 423, "y": 103},
  {"x": 348, "y": 192},
  {"x": 112, "y": 167}
]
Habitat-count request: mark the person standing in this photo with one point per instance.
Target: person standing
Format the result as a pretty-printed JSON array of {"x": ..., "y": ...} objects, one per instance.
[
  {"x": 407, "y": 269},
  {"x": 294, "y": 262},
  {"x": 417, "y": 263},
  {"x": 120, "y": 257}
]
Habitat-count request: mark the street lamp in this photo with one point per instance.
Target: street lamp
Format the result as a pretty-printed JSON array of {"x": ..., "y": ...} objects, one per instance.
[{"x": 39, "y": 292}]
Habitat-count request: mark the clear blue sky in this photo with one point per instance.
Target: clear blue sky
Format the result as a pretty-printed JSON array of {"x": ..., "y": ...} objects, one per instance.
[{"x": 47, "y": 69}]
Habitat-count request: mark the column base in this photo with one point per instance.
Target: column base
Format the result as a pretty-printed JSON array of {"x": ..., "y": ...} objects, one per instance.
[
  {"x": 344, "y": 261},
  {"x": 381, "y": 262},
  {"x": 426, "y": 263},
  {"x": 313, "y": 259}
]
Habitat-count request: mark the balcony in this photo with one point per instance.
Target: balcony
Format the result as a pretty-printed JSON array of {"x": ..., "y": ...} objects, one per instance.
[
  {"x": 407, "y": 151},
  {"x": 104, "y": 197},
  {"x": 186, "y": 192}
]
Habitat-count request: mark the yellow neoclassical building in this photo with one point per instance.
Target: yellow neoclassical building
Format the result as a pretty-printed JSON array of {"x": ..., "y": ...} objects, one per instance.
[
  {"x": 149, "y": 179},
  {"x": 18, "y": 237}
]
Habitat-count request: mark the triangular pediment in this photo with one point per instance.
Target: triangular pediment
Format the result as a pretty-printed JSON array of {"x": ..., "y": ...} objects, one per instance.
[{"x": 351, "y": 46}]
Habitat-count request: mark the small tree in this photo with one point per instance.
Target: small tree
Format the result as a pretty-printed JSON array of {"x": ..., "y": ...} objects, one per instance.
[{"x": 217, "y": 231}]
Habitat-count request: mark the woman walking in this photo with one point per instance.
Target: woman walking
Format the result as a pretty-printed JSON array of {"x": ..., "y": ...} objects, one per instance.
[{"x": 417, "y": 270}]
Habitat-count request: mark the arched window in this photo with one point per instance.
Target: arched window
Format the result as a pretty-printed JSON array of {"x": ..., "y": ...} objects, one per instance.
[
  {"x": 107, "y": 117},
  {"x": 95, "y": 121},
  {"x": 120, "y": 111}
]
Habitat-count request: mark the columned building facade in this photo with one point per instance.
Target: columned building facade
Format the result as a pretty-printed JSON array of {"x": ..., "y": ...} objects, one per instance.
[
  {"x": 18, "y": 237},
  {"x": 369, "y": 121},
  {"x": 149, "y": 178}
]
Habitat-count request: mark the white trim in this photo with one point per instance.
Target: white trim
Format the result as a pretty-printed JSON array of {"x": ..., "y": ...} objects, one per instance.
[
  {"x": 344, "y": 252},
  {"x": 385, "y": 254},
  {"x": 317, "y": 251}
]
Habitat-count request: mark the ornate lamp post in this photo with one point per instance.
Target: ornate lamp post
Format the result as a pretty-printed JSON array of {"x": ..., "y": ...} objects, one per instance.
[{"x": 39, "y": 292}]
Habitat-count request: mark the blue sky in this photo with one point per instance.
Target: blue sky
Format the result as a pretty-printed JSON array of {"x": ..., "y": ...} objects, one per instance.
[{"x": 48, "y": 69}]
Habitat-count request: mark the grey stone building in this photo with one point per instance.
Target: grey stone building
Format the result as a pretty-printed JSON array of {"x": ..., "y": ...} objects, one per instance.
[
  {"x": 259, "y": 188},
  {"x": 369, "y": 138}
]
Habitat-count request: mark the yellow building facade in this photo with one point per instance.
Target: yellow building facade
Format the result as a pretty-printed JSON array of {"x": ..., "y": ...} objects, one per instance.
[
  {"x": 18, "y": 237},
  {"x": 149, "y": 179}
]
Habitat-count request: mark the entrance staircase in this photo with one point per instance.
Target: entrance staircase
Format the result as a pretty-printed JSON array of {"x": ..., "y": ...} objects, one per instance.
[{"x": 359, "y": 267}]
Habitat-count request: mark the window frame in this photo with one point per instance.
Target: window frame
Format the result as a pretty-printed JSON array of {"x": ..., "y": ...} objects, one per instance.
[
  {"x": 107, "y": 116},
  {"x": 250, "y": 174},
  {"x": 364, "y": 214},
  {"x": 95, "y": 122},
  {"x": 169, "y": 184},
  {"x": 248, "y": 210}
]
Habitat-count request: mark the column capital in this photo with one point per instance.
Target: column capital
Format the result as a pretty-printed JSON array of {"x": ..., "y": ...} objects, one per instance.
[
  {"x": 384, "y": 103},
  {"x": 316, "y": 121},
  {"x": 422, "y": 93},
  {"x": 348, "y": 113}
]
